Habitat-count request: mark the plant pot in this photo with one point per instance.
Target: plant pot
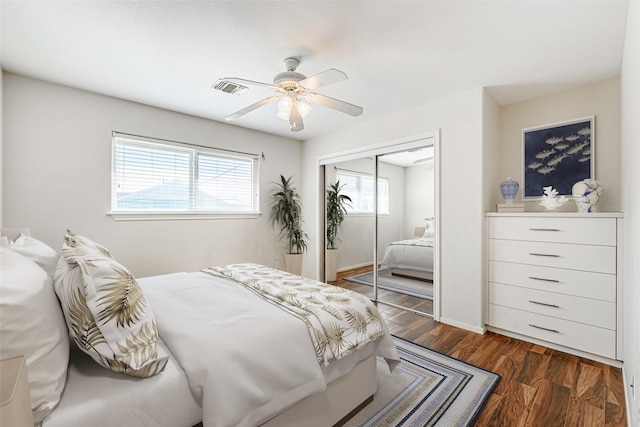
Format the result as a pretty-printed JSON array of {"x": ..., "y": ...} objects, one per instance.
[
  {"x": 332, "y": 264},
  {"x": 293, "y": 263}
]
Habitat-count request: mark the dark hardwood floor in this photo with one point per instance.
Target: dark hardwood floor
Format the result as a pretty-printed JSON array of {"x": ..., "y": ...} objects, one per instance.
[{"x": 539, "y": 386}]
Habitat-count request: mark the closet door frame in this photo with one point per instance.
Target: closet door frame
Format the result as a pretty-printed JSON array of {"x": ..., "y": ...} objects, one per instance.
[{"x": 400, "y": 144}]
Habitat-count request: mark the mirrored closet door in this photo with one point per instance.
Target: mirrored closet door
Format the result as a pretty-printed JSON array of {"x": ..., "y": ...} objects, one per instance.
[
  {"x": 350, "y": 254},
  {"x": 405, "y": 235},
  {"x": 386, "y": 245}
]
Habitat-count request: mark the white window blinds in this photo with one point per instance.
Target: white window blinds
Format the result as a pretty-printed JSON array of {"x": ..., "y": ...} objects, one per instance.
[
  {"x": 359, "y": 187},
  {"x": 158, "y": 176}
]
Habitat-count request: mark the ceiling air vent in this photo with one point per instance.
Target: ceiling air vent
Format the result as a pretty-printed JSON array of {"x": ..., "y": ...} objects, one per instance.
[{"x": 229, "y": 87}]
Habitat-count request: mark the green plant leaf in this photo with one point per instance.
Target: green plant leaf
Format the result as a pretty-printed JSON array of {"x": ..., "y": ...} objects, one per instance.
[
  {"x": 286, "y": 214},
  {"x": 336, "y": 211}
]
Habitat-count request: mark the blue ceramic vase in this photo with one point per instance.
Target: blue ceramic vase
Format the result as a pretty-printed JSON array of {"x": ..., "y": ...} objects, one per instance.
[{"x": 509, "y": 189}]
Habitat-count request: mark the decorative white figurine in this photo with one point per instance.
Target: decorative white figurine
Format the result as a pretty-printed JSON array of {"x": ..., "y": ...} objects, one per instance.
[{"x": 550, "y": 200}]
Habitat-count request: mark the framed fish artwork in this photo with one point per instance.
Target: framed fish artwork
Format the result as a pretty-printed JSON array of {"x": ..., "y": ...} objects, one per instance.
[{"x": 558, "y": 155}]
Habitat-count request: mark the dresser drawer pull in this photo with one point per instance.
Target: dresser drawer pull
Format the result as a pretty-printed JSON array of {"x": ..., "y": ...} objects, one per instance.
[
  {"x": 547, "y": 255},
  {"x": 544, "y": 229},
  {"x": 544, "y": 329},
  {"x": 544, "y": 303},
  {"x": 544, "y": 280}
]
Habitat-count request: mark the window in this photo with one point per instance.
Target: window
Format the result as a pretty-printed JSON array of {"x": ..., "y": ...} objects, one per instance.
[
  {"x": 359, "y": 187},
  {"x": 152, "y": 176}
]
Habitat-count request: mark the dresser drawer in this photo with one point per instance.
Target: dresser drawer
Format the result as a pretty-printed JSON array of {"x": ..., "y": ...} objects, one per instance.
[
  {"x": 601, "y": 259},
  {"x": 568, "y": 307},
  {"x": 588, "y": 231},
  {"x": 587, "y": 284},
  {"x": 583, "y": 337}
]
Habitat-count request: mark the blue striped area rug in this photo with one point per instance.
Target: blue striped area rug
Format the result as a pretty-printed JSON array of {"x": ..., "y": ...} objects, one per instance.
[
  {"x": 426, "y": 389},
  {"x": 414, "y": 287}
]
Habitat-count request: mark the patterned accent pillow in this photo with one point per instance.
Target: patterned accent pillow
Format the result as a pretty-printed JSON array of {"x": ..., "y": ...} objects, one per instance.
[
  {"x": 76, "y": 246},
  {"x": 107, "y": 314}
]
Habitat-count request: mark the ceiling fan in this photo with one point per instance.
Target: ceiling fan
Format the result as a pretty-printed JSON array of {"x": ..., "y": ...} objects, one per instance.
[{"x": 291, "y": 88}]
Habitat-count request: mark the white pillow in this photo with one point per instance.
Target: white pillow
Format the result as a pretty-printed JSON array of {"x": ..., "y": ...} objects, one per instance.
[
  {"x": 106, "y": 311},
  {"x": 37, "y": 251},
  {"x": 428, "y": 228},
  {"x": 31, "y": 323},
  {"x": 12, "y": 233}
]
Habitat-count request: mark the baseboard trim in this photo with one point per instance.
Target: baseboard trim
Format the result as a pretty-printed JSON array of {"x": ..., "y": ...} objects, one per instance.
[
  {"x": 628, "y": 398},
  {"x": 351, "y": 267},
  {"x": 462, "y": 325}
]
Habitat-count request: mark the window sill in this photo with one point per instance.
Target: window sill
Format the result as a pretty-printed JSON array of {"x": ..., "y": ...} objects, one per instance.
[{"x": 181, "y": 216}]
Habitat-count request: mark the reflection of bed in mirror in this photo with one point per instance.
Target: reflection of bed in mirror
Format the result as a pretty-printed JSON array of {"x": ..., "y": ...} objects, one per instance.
[{"x": 412, "y": 258}]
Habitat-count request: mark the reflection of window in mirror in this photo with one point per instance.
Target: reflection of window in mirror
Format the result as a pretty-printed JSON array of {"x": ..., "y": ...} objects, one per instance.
[{"x": 359, "y": 187}]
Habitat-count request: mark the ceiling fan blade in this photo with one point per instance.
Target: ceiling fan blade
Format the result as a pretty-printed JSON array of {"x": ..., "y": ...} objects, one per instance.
[
  {"x": 336, "y": 104},
  {"x": 322, "y": 79},
  {"x": 295, "y": 119},
  {"x": 249, "y": 82},
  {"x": 251, "y": 107}
]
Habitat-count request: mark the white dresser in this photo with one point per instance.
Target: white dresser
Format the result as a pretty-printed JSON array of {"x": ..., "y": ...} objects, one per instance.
[{"x": 554, "y": 277}]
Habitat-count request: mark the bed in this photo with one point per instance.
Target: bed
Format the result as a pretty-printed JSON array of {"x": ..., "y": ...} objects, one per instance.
[
  {"x": 238, "y": 345},
  {"x": 412, "y": 258}
]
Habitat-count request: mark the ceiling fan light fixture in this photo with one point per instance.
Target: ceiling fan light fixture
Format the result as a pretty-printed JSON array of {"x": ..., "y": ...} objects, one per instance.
[
  {"x": 295, "y": 119},
  {"x": 303, "y": 108},
  {"x": 285, "y": 106},
  {"x": 283, "y": 115},
  {"x": 290, "y": 89},
  {"x": 285, "y": 103}
]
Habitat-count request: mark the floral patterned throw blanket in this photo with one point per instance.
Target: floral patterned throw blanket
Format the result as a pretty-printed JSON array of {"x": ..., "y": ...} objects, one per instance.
[{"x": 339, "y": 321}]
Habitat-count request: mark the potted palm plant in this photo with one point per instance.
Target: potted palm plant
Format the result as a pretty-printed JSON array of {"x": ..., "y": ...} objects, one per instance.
[
  {"x": 286, "y": 214},
  {"x": 336, "y": 211}
]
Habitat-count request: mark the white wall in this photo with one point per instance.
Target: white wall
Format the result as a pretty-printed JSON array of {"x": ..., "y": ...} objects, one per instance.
[
  {"x": 419, "y": 196},
  {"x": 601, "y": 99},
  {"x": 56, "y": 165},
  {"x": 630, "y": 84},
  {"x": 1, "y": 147},
  {"x": 459, "y": 118},
  {"x": 356, "y": 246},
  {"x": 390, "y": 227},
  {"x": 492, "y": 153}
]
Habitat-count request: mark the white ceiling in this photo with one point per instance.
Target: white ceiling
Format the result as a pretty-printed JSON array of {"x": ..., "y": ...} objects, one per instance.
[
  {"x": 409, "y": 158},
  {"x": 397, "y": 54}
]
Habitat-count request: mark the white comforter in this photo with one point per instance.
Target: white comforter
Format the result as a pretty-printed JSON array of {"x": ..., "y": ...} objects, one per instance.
[
  {"x": 223, "y": 337},
  {"x": 416, "y": 254}
]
